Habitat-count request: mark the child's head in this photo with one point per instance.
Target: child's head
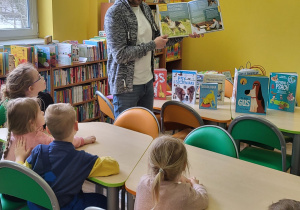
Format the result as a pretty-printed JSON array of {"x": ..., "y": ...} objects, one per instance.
[
  {"x": 285, "y": 204},
  {"x": 23, "y": 116},
  {"x": 60, "y": 120},
  {"x": 24, "y": 81},
  {"x": 167, "y": 161}
]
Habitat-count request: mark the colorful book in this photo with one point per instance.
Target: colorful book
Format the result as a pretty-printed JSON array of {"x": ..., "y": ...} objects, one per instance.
[
  {"x": 252, "y": 94},
  {"x": 160, "y": 84},
  {"x": 228, "y": 75},
  {"x": 208, "y": 96},
  {"x": 216, "y": 78},
  {"x": 65, "y": 53},
  {"x": 42, "y": 56},
  {"x": 184, "y": 18},
  {"x": 20, "y": 53},
  {"x": 184, "y": 86},
  {"x": 282, "y": 93}
]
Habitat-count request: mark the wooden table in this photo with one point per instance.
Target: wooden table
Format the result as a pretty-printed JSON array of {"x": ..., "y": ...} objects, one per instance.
[
  {"x": 221, "y": 116},
  {"x": 126, "y": 146},
  {"x": 231, "y": 183},
  {"x": 289, "y": 124}
]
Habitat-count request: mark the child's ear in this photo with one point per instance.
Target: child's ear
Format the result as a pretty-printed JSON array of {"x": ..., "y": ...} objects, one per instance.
[
  {"x": 76, "y": 126},
  {"x": 47, "y": 129}
]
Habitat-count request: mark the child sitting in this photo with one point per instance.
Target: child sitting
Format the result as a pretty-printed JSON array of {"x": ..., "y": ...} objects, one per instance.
[
  {"x": 24, "y": 81},
  {"x": 63, "y": 167},
  {"x": 25, "y": 119},
  {"x": 168, "y": 187}
]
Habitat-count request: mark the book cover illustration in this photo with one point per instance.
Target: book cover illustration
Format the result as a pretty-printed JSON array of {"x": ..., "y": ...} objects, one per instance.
[
  {"x": 65, "y": 53},
  {"x": 20, "y": 54},
  {"x": 160, "y": 84},
  {"x": 252, "y": 94},
  {"x": 184, "y": 18},
  {"x": 283, "y": 91},
  {"x": 42, "y": 56},
  {"x": 174, "y": 19},
  {"x": 205, "y": 16},
  {"x": 208, "y": 96},
  {"x": 200, "y": 78},
  {"x": 184, "y": 86},
  {"x": 216, "y": 78}
]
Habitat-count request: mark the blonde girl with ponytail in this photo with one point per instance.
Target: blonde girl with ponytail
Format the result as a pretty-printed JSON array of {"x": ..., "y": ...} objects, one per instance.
[{"x": 165, "y": 186}]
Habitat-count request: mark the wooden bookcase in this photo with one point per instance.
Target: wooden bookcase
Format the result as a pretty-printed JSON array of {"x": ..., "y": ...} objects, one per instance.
[{"x": 49, "y": 74}]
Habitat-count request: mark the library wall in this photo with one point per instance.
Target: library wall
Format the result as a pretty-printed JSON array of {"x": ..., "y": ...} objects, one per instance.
[{"x": 263, "y": 32}]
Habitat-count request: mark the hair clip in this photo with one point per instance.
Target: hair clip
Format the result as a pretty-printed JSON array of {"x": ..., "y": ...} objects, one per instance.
[{"x": 161, "y": 170}]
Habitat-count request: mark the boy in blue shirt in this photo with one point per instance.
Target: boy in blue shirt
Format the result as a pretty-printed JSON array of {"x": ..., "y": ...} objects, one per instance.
[{"x": 63, "y": 167}]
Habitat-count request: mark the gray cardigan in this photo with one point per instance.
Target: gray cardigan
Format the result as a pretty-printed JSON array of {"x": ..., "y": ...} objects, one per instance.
[{"x": 121, "y": 29}]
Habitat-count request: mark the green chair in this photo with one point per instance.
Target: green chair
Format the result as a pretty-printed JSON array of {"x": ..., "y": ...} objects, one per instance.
[
  {"x": 213, "y": 138},
  {"x": 23, "y": 183},
  {"x": 261, "y": 132}
]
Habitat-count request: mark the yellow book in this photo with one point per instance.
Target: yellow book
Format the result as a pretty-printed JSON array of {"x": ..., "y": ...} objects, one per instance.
[{"x": 20, "y": 54}]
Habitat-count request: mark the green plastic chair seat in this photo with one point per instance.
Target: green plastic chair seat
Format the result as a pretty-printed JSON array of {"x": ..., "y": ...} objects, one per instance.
[
  {"x": 213, "y": 138},
  {"x": 23, "y": 183},
  {"x": 264, "y": 157},
  {"x": 7, "y": 204},
  {"x": 265, "y": 135}
]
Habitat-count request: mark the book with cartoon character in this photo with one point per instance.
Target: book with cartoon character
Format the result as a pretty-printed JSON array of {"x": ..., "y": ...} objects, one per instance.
[
  {"x": 283, "y": 91},
  {"x": 208, "y": 96},
  {"x": 184, "y": 86},
  {"x": 184, "y": 18},
  {"x": 160, "y": 84},
  {"x": 252, "y": 94},
  {"x": 216, "y": 78}
]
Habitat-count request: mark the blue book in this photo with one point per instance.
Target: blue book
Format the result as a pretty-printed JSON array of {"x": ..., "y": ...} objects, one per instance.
[
  {"x": 208, "y": 96},
  {"x": 283, "y": 88},
  {"x": 184, "y": 86},
  {"x": 252, "y": 94}
]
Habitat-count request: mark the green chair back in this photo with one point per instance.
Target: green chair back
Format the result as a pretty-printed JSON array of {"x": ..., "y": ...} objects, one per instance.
[
  {"x": 213, "y": 138},
  {"x": 259, "y": 130},
  {"x": 255, "y": 130},
  {"x": 23, "y": 183}
]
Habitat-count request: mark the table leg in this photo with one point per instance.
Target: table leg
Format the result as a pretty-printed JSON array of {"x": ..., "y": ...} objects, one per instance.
[
  {"x": 223, "y": 125},
  {"x": 295, "y": 168},
  {"x": 113, "y": 198},
  {"x": 130, "y": 201}
]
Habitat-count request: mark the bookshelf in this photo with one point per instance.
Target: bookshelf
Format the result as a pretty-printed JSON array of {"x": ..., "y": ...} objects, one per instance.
[
  {"x": 164, "y": 62},
  {"x": 76, "y": 84}
]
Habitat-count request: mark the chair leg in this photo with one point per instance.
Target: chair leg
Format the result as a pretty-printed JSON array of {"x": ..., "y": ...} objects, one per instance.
[
  {"x": 130, "y": 201},
  {"x": 123, "y": 191}
]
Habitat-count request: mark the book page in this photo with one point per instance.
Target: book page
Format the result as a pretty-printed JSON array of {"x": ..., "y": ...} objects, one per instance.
[
  {"x": 205, "y": 16},
  {"x": 174, "y": 19}
]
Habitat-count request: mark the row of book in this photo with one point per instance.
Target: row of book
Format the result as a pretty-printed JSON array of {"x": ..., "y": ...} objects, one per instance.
[
  {"x": 87, "y": 111},
  {"x": 47, "y": 56},
  {"x": 156, "y": 62},
  {"x": 66, "y": 76},
  {"x": 7, "y": 62},
  {"x": 81, "y": 93},
  {"x": 254, "y": 93},
  {"x": 173, "y": 52},
  {"x": 162, "y": 1}
]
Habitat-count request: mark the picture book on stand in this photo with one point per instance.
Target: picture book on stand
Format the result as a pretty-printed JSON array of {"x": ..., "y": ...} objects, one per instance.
[
  {"x": 216, "y": 78},
  {"x": 208, "y": 96},
  {"x": 252, "y": 94},
  {"x": 184, "y": 86},
  {"x": 184, "y": 18},
  {"x": 160, "y": 84},
  {"x": 282, "y": 93}
]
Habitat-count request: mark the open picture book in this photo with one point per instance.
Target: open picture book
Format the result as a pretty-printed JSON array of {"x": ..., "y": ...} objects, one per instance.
[{"x": 184, "y": 18}]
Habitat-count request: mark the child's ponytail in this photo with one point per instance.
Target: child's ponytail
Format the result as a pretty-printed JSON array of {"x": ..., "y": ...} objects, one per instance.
[{"x": 156, "y": 185}]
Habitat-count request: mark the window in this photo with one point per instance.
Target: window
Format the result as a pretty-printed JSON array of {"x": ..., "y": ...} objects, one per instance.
[{"x": 18, "y": 19}]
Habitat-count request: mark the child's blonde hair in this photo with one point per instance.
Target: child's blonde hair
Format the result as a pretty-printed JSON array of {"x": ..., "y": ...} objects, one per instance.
[
  {"x": 60, "y": 119},
  {"x": 18, "y": 81},
  {"x": 167, "y": 161},
  {"x": 21, "y": 114}
]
